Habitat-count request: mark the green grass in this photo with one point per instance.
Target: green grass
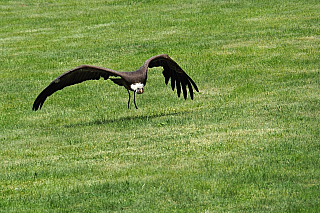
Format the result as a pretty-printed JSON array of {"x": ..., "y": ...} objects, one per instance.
[{"x": 248, "y": 142}]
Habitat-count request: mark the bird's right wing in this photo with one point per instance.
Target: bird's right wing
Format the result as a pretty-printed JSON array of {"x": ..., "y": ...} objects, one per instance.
[
  {"x": 171, "y": 69},
  {"x": 71, "y": 77}
]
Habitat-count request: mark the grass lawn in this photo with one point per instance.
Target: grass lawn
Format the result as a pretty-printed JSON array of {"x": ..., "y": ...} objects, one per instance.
[{"x": 248, "y": 142}]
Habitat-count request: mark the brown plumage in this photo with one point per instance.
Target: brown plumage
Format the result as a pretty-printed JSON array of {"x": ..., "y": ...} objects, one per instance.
[{"x": 134, "y": 81}]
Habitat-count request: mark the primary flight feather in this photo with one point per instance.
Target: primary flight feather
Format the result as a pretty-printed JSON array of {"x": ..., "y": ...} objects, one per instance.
[{"x": 134, "y": 81}]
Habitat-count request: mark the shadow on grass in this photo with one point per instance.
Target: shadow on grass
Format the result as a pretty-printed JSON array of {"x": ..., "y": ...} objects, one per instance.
[{"x": 123, "y": 119}]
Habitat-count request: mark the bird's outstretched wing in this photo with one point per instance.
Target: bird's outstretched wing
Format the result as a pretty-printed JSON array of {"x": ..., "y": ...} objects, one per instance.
[
  {"x": 172, "y": 70},
  {"x": 71, "y": 77}
]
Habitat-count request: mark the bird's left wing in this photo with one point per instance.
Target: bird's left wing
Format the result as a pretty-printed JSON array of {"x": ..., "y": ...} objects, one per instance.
[
  {"x": 172, "y": 70},
  {"x": 71, "y": 77}
]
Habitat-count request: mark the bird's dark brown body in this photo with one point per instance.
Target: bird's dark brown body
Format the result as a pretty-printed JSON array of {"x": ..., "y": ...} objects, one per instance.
[{"x": 134, "y": 81}]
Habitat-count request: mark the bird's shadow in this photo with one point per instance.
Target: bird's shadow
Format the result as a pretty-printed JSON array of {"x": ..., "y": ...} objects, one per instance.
[{"x": 103, "y": 121}]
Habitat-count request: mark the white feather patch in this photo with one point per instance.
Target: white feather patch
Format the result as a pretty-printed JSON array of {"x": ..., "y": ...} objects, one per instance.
[{"x": 135, "y": 86}]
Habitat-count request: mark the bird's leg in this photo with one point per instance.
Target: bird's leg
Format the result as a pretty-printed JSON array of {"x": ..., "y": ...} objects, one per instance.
[
  {"x": 129, "y": 99},
  {"x": 134, "y": 99}
]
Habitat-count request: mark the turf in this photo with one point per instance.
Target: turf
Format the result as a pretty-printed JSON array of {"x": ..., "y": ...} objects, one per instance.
[{"x": 248, "y": 142}]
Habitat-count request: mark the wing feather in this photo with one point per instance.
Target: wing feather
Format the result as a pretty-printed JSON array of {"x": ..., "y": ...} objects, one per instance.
[
  {"x": 166, "y": 78},
  {"x": 184, "y": 89},
  {"x": 71, "y": 77},
  {"x": 190, "y": 90},
  {"x": 173, "y": 81},
  {"x": 178, "y": 87}
]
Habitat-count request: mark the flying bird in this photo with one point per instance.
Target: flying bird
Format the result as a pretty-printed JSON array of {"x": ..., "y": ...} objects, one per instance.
[{"x": 133, "y": 81}]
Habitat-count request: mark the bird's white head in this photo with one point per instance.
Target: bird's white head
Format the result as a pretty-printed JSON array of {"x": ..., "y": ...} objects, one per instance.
[{"x": 137, "y": 87}]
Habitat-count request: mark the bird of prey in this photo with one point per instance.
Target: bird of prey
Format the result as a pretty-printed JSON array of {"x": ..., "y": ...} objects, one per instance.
[{"x": 134, "y": 81}]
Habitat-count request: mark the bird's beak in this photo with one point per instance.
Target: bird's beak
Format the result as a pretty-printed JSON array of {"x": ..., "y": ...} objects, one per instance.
[{"x": 139, "y": 91}]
